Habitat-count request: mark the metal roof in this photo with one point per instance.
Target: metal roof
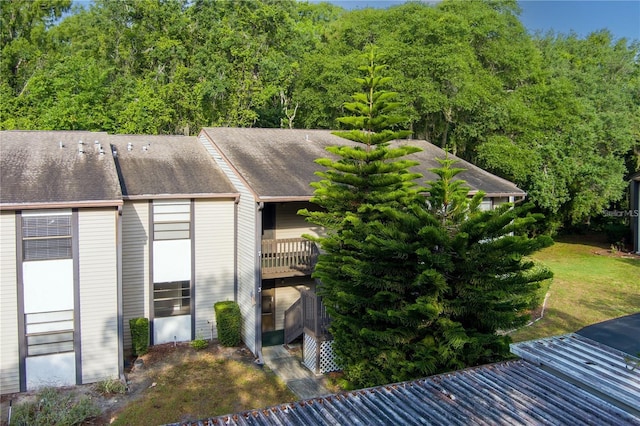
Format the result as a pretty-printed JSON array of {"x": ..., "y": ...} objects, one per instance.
[
  {"x": 507, "y": 393},
  {"x": 280, "y": 163},
  {"x": 598, "y": 368}
]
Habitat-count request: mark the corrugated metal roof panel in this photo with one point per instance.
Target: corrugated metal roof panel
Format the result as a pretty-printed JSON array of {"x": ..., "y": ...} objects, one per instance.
[
  {"x": 508, "y": 393},
  {"x": 594, "y": 366}
]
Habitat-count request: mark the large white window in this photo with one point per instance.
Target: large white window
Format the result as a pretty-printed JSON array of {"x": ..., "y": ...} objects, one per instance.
[{"x": 46, "y": 236}]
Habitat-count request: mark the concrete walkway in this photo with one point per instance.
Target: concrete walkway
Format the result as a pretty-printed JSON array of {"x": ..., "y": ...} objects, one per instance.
[{"x": 303, "y": 382}]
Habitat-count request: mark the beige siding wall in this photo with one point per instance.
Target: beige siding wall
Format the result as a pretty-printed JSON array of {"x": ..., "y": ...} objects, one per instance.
[
  {"x": 247, "y": 250},
  {"x": 214, "y": 260},
  {"x": 135, "y": 264},
  {"x": 9, "y": 356},
  {"x": 98, "y": 293},
  {"x": 285, "y": 297},
  {"x": 291, "y": 225}
]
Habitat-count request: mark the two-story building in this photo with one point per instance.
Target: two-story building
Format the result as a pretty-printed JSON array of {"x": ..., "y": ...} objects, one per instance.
[{"x": 96, "y": 229}]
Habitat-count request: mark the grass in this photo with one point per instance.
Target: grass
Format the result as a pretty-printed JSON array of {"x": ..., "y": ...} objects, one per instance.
[
  {"x": 206, "y": 387},
  {"x": 589, "y": 286}
]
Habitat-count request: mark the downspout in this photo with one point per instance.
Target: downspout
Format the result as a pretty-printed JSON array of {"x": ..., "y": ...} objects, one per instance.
[
  {"x": 258, "y": 285},
  {"x": 235, "y": 248},
  {"x": 119, "y": 291}
]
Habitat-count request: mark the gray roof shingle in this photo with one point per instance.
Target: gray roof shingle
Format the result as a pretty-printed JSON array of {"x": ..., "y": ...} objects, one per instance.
[
  {"x": 169, "y": 166},
  {"x": 45, "y": 169},
  {"x": 279, "y": 163}
]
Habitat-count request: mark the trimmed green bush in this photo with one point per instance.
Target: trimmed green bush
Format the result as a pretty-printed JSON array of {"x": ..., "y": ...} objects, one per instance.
[
  {"x": 229, "y": 323},
  {"x": 139, "y": 335}
]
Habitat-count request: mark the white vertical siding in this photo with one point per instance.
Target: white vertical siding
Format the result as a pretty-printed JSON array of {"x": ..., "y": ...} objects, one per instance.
[
  {"x": 98, "y": 293},
  {"x": 289, "y": 224},
  {"x": 246, "y": 249},
  {"x": 9, "y": 355},
  {"x": 135, "y": 264},
  {"x": 214, "y": 232}
]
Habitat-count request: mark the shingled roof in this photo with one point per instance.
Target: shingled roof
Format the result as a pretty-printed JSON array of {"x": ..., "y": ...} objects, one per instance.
[
  {"x": 279, "y": 163},
  {"x": 157, "y": 166},
  {"x": 44, "y": 169}
]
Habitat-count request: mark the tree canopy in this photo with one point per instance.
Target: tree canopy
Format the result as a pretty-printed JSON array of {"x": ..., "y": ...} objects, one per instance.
[{"x": 556, "y": 114}]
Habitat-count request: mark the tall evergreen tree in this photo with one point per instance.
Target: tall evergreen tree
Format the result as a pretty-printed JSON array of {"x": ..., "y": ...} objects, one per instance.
[
  {"x": 491, "y": 283},
  {"x": 380, "y": 304}
]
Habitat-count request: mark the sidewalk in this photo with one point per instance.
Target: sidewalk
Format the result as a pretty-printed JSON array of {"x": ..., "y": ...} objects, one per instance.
[{"x": 297, "y": 377}]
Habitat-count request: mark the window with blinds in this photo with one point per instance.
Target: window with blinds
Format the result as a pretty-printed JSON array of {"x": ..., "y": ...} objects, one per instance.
[
  {"x": 46, "y": 237},
  {"x": 171, "y": 220},
  {"x": 170, "y": 299}
]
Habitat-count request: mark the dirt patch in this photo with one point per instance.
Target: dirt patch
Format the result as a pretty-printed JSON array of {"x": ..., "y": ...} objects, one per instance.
[
  {"x": 622, "y": 254},
  {"x": 139, "y": 376}
]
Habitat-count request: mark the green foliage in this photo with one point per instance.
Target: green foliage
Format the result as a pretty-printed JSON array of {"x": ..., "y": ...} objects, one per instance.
[
  {"x": 139, "y": 335},
  {"x": 54, "y": 407},
  {"x": 370, "y": 207},
  {"x": 110, "y": 387},
  {"x": 229, "y": 323},
  {"x": 199, "y": 344},
  {"x": 491, "y": 284},
  {"x": 556, "y": 114}
]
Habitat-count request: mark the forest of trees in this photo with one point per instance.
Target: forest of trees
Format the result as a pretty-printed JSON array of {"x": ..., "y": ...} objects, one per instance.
[{"x": 557, "y": 114}]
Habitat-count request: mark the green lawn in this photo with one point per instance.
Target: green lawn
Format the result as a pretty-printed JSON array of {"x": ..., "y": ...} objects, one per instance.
[{"x": 587, "y": 287}]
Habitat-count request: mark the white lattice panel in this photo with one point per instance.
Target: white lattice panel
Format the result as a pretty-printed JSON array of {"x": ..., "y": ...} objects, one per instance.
[
  {"x": 327, "y": 358},
  {"x": 309, "y": 349}
]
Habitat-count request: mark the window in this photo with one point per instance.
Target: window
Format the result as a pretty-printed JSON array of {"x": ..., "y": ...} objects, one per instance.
[
  {"x": 171, "y": 220},
  {"x": 170, "y": 299},
  {"x": 49, "y": 332},
  {"x": 46, "y": 236}
]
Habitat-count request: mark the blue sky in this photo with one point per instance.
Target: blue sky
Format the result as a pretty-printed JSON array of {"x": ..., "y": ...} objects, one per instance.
[{"x": 620, "y": 17}]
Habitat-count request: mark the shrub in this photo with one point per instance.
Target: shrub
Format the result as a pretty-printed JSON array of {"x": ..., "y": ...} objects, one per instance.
[
  {"x": 199, "y": 344},
  {"x": 110, "y": 387},
  {"x": 54, "y": 407},
  {"x": 229, "y": 323},
  {"x": 139, "y": 335}
]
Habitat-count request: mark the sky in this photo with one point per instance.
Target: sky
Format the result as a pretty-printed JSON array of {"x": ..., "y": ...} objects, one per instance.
[{"x": 620, "y": 17}]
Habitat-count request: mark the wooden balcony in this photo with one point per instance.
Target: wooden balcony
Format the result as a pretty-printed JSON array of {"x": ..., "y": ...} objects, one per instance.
[{"x": 288, "y": 257}]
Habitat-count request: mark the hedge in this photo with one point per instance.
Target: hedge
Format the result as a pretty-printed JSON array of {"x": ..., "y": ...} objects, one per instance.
[
  {"x": 139, "y": 335},
  {"x": 229, "y": 321}
]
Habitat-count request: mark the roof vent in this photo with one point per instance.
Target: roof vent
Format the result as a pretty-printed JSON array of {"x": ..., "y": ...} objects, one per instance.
[
  {"x": 80, "y": 149},
  {"x": 129, "y": 146},
  {"x": 306, "y": 138},
  {"x": 61, "y": 144},
  {"x": 146, "y": 147},
  {"x": 100, "y": 150},
  {"x": 114, "y": 152}
]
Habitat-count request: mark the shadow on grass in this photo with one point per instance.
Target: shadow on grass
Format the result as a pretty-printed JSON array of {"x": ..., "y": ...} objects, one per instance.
[
  {"x": 609, "y": 308},
  {"x": 554, "y": 322}
]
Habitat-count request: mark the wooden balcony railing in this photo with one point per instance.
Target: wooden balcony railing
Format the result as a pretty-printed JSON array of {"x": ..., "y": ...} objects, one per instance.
[
  {"x": 314, "y": 315},
  {"x": 307, "y": 315},
  {"x": 288, "y": 257}
]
